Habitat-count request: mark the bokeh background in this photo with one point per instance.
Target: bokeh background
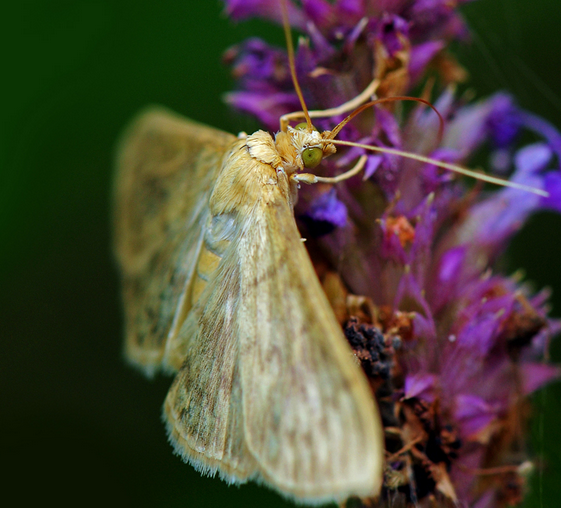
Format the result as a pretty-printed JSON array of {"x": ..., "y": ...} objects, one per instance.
[{"x": 78, "y": 427}]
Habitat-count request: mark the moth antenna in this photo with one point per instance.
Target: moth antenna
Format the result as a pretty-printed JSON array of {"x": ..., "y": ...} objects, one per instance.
[
  {"x": 292, "y": 66},
  {"x": 360, "y": 109},
  {"x": 444, "y": 165}
]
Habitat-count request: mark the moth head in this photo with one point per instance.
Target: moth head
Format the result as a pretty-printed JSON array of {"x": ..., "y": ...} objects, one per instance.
[{"x": 310, "y": 145}]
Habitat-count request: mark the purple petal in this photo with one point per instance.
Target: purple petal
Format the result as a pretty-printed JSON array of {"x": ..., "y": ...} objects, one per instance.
[
  {"x": 421, "y": 386},
  {"x": 420, "y": 254},
  {"x": 438, "y": 17},
  {"x": 545, "y": 129},
  {"x": 468, "y": 129},
  {"x": 409, "y": 292},
  {"x": 504, "y": 121},
  {"x": 473, "y": 414},
  {"x": 387, "y": 123},
  {"x": 354, "y": 9},
  {"x": 532, "y": 158},
  {"x": 450, "y": 264},
  {"x": 463, "y": 359},
  {"x": 536, "y": 375},
  {"x": 264, "y": 9},
  {"x": 552, "y": 184},
  {"x": 372, "y": 164},
  {"x": 319, "y": 12},
  {"x": 258, "y": 65},
  {"x": 322, "y": 49},
  {"x": 421, "y": 55},
  {"x": 450, "y": 274},
  {"x": 479, "y": 336},
  {"x": 424, "y": 328},
  {"x": 433, "y": 177},
  {"x": 327, "y": 208},
  {"x": 352, "y": 37},
  {"x": 391, "y": 31},
  {"x": 492, "y": 222}
]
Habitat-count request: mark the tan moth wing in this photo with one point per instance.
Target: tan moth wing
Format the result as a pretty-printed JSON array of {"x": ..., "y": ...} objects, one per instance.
[
  {"x": 269, "y": 389},
  {"x": 326, "y": 410},
  {"x": 166, "y": 166}
]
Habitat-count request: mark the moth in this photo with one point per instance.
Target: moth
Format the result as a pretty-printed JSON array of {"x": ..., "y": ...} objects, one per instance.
[{"x": 219, "y": 289}]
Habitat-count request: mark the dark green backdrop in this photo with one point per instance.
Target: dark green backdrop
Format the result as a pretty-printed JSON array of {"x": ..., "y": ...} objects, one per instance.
[{"x": 78, "y": 427}]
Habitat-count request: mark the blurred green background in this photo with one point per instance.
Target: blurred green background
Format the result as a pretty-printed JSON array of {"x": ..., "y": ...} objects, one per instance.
[{"x": 79, "y": 427}]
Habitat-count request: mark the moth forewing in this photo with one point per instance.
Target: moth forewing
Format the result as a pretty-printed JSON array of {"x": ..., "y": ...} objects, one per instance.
[
  {"x": 319, "y": 438},
  {"x": 268, "y": 388},
  {"x": 166, "y": 166}
]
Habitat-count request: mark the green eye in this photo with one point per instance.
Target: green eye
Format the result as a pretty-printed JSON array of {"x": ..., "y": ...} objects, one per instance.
[
  {"x": 312, "y": 157},
  {"x": 304, "y": 127}
]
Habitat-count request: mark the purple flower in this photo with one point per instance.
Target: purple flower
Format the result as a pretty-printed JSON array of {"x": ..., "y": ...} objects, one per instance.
[
  {"x": 380, "y": 39},
  {"x": 324, "y": 214},
  {"x": 463, "y": 343}
]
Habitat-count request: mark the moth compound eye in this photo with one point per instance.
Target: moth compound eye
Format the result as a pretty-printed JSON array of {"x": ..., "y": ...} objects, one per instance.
[
  {"x": 304, "y": 127},
  {"x": 311, "y": 157}
]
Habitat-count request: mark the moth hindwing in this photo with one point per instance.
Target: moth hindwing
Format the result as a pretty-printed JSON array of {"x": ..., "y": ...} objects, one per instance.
[{"x": 219, "y": 289}]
